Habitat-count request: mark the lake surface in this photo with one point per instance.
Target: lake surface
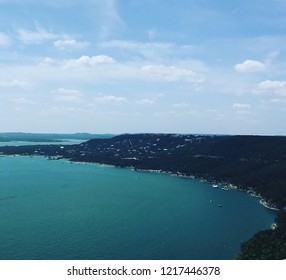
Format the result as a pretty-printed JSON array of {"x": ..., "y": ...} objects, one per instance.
[{"x": 58, "y": 210}]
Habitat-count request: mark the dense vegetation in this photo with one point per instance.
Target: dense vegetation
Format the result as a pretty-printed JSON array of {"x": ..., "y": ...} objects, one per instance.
[
  {"x": 267, "y": 244},
  {"x": 255, "y": 163}
]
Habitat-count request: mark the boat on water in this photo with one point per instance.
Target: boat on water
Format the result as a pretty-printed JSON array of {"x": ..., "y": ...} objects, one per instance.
[{"x": 215, "y": 186}]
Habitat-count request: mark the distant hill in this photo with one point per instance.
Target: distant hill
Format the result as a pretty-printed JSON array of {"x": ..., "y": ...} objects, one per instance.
[{"x": 48, "y": 137}]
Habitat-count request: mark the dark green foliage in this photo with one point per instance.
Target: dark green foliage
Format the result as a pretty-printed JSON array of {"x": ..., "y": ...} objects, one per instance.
[
  {"x": 281, "y": 220},
  {"x": 264, "y": 245},
  {"x": 268, "y": 244}
]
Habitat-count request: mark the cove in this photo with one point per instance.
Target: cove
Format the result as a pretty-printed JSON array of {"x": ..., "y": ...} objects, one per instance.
[{"x": 52, "y": 209}]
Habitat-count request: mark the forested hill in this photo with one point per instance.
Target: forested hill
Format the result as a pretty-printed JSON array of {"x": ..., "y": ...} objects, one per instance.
[{"x": 256, "y": 163}]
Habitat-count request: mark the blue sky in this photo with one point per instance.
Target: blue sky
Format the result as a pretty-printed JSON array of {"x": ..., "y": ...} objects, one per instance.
[{"x": 128, "y": 66}]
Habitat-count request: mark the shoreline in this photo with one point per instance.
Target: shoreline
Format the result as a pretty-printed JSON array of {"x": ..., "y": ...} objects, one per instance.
[
  {"x": 268, "y": 205},
  {"x": 227, "y": 185}
]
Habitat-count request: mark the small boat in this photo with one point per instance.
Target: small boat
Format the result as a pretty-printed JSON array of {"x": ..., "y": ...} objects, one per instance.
[
  {"x": 215, "y": 186},
  {"x": 219, "y": 205}
]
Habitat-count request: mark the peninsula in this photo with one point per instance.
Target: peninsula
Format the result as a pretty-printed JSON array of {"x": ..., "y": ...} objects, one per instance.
[{"x": 256, "y": 164}]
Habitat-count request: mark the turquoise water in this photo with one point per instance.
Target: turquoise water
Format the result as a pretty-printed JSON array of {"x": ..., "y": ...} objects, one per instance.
[{"x": 58, "y": 210}]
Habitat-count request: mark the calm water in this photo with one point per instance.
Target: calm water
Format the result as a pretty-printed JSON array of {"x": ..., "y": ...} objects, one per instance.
[{"x": 59, "y": 210}]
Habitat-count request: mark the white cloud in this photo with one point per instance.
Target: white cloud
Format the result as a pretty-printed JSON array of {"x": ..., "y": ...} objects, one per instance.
[
  {"x": 47, "y": 61},
  {"x": 272, "y": 85},
  {"x": 69, "y": 95},
  {"x": 149, "y": 50},
  {"x": 37, "y": 36},
  {"x": 88, "y": 61},
  {"x": 14, "y": 83},
  {"x": 241, "y": 106},
  {"x": 146, "y": 101},
  {"x": 70, "y": 44},
  {"x": 250, "y": 66},
  {"x": 110, "y": 99},
  {"x": 171, "y": 73},
  {"x": 274, "y": 102},
  {"x": 277, "y": 87},
  {"x": 23, "y": 101},
  {"x": 105, "y": 67},
  {"x": 181, "y": 105},
  {"x": 4, "y": 40}
]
